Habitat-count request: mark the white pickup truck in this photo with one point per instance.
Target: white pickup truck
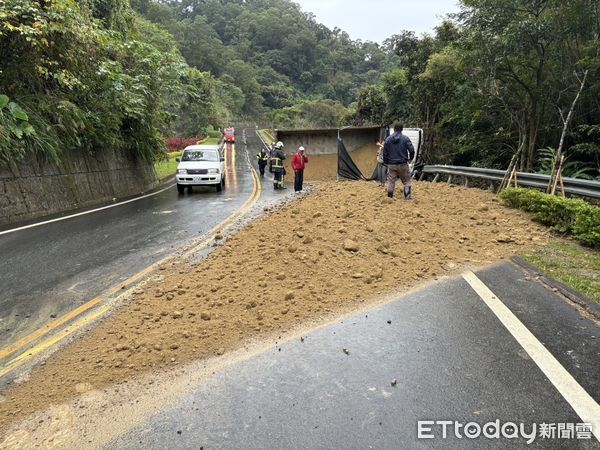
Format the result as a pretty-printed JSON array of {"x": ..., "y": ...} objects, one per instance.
[{"x": 201, "y": 165}]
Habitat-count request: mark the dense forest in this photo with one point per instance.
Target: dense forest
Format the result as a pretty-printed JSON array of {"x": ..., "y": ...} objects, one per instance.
[
  {"x": 498, "y": 77},
  {"x": 285, "y": 63},
  {"x": 90, "y": 76}
]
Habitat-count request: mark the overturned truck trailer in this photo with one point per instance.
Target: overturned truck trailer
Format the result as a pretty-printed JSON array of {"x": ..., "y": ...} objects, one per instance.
[{"x": 354, "y": 146}]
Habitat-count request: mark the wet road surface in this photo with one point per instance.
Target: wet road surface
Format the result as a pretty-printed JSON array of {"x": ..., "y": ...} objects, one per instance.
[
  {"x": 49, "y": 270},
  {"x": 436, "y": 354}
]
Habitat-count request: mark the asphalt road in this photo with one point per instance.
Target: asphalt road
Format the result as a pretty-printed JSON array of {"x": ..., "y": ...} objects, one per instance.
[
  {"x": 450, "y": 355},
  {"x": 49, "y": 270},
  {"x": 437, "y": 354}
]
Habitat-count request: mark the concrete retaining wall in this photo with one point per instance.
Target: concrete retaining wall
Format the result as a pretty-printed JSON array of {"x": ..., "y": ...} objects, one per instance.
[
  {"x": 324, "y": 141},
  {"x": 34, "y": 187}
]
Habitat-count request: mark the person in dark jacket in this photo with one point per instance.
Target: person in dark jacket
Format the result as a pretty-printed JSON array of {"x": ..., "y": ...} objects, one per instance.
[
  {"x": 263, "y": 160},
  {"x": 398, "y": 152}
]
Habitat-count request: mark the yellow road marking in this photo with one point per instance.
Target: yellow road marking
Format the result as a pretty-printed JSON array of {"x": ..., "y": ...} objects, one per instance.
[
  {"x": 44, "y": 345},
  {"x": 9, "y": 350},
  {"x": 223, "y": 226},
  {"x": 241, "y": 213}
]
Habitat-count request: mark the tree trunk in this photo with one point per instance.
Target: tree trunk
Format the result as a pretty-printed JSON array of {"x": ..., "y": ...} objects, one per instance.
[
  {"x": 570, "y": 115},
  {"x": 532, "y": 136}
]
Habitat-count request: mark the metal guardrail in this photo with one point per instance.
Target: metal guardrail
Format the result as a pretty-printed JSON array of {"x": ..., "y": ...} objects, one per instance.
[{"x": 573, "y": 186}]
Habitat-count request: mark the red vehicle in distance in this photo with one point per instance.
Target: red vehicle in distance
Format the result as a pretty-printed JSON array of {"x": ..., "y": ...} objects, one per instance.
[{"x": 229, "y": 135}]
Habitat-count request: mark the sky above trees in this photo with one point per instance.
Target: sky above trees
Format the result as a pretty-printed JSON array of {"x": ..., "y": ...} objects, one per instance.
[{"x": 376, "y": 20}]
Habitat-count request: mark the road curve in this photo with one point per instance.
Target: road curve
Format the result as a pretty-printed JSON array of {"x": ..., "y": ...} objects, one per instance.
[{"x": 49, "y": 270}]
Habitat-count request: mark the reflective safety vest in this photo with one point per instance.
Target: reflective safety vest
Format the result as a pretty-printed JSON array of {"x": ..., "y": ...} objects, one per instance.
[
  {"x": 276, "y": 163},
  {"x": 262, "y": 157}
]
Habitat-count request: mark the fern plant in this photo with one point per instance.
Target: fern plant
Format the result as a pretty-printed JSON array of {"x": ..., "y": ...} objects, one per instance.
[{"x": 571, "y": 169}]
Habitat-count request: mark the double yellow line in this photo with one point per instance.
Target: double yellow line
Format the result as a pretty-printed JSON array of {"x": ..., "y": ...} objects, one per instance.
[{"x": 99, "y": 306}]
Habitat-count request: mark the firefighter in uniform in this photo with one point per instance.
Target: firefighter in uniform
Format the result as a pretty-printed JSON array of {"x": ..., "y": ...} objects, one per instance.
[
  {"x": 277, "y": 166},
  {"x": 263, "y": 160},
  {"x": 271, "y": 153}
]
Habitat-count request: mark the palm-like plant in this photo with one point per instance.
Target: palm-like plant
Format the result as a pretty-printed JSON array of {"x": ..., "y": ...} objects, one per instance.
[{"x": 571, "y": 169}]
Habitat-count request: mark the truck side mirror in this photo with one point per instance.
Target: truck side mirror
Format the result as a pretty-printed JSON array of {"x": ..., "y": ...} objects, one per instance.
[
  {"x": 222, "y": 159},
  {"x": 178, "y": 159}
]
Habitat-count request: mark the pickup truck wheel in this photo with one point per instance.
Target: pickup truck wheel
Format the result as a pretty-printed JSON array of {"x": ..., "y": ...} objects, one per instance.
[
  {"x": 219, "y": 187},
  {"x": 223, "y": 182},
  {"x": 180, "y": 188}
]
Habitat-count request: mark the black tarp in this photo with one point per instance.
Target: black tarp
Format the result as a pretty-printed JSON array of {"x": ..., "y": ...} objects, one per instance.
[
  {"x": 348, "y": 170},
  {"x": 346, "y": 167},
  {"x": 379, "y": 174}
]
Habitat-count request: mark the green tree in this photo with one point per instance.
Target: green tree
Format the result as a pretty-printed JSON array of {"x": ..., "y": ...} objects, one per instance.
[
  {"x": 90, "y": 76},
  {"x": 517, "y": 44},
  {"x": 370, "y": 106}
]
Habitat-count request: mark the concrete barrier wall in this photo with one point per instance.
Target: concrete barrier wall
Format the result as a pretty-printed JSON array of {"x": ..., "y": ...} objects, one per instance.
[
  {"x": 320, "y": 142},
  {"x": 34, "y": 187}
]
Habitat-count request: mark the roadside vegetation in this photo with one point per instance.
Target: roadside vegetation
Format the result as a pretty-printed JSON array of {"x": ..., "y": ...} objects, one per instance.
[
  {"x": 276, "y": 55},
  {"x": 94, "y": 76},
  {"x": 568, "y": 216},
  {"x": 167, "y": 167},
  {"x": 576, "y": 264},
  {"x": 117, "y": 75},
  {"x": 211, "y": 141},
  {"x": 495, "y": 78},
  {"x": 570, "y": 263}
]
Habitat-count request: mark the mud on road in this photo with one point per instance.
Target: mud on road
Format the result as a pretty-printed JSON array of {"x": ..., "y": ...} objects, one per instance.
[{"x": 340, "y": 249}]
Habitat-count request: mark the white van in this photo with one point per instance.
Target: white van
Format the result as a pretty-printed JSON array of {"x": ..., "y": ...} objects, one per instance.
[{"x": 201, "y": 165}]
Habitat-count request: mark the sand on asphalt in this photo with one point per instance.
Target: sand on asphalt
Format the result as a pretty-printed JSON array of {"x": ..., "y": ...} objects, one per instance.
[{"x": 340, "y": 249}]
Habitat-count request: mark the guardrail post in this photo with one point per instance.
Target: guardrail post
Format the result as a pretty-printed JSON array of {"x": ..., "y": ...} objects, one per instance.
[{"x": 497, "y": 178}]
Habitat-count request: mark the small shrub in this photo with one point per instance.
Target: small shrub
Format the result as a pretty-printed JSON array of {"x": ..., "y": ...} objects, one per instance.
[
  {"x": 215, "y": 134},
  {"x": 564, "y": 215},
  {"x": 175, "y": 144},
  {"x": 587, "y": 227}
]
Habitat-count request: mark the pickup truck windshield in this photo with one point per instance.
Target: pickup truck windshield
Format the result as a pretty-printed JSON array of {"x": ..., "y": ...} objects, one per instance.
[{"x": 200, "y": 155}]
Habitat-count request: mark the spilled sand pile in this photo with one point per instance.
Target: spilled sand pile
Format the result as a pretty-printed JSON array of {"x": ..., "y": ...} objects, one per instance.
[
  {"x": 324, "y": 167},
  {"x": 335, "y": 251}
]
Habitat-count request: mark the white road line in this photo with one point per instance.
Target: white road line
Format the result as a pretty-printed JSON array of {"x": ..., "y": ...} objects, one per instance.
[
  {"x": 58, "y": 219},
  {"x": 583, "y": 404}
]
